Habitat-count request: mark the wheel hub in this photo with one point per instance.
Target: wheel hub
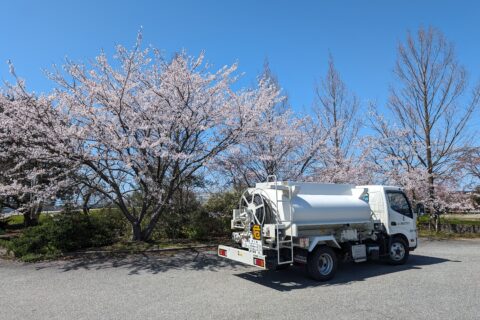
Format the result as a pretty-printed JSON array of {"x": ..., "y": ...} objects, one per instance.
[
  {"x": 325, "y": 264},
  {"x": 397, "y": 251}
]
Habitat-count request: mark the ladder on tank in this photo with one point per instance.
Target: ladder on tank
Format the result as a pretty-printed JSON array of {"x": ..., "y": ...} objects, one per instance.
[{"x": 282, "y": 243}]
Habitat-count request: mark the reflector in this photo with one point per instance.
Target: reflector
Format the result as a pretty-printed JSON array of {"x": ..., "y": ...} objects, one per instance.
[{"x": 259, "y": 262}]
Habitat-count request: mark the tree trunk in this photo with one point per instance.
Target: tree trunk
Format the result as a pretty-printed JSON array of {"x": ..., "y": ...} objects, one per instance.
[
  {"x": 29, "y": 220},
  {"x": 437, "y": 222},
  {"x": 85, "y": 207},
  {"x": 30, "y": 217},
  {"x": 137, "y": 232},
  {"x": 147, "y": 233},
  {"x": 428, "y": 145}
]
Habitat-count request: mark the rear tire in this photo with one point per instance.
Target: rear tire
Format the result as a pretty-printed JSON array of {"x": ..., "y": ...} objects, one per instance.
[
  {"x": 398, "y": 251},
  {"x": 322, "y": 263}
]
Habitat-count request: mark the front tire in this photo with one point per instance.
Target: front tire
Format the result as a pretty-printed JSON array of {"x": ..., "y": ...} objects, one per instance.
[
  {"x": 322, "y": 263},
  {"x": 398, "y": 251}
]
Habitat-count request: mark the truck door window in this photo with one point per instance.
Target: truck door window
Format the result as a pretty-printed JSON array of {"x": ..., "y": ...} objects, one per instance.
[{"x": 398, "y": 202}]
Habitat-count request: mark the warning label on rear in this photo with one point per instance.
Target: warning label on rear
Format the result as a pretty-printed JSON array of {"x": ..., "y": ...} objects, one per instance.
[
  {"x": 255, "y": 246},
  {"x": 257, "y": 232}
]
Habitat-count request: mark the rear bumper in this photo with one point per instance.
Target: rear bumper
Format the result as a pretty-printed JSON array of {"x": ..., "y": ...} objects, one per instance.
[{"x": 242, "y": 256}]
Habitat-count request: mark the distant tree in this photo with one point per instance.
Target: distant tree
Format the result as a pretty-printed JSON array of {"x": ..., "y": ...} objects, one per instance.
[
  {"x": 342, "y": 158},
  {"x": 476, "y": 197},
  {"x": 430, "y": 109},
  {"x": 471, "y": 162}
]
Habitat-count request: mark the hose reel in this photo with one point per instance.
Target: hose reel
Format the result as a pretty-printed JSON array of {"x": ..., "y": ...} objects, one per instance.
[{"x": 254, "y": 207}]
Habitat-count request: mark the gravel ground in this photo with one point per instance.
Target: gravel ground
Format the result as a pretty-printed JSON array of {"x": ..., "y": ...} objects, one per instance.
[{"x": 441, "y": 281}]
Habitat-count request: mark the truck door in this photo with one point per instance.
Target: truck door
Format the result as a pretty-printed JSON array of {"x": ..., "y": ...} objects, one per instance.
[{"x": 400, "y": 213}]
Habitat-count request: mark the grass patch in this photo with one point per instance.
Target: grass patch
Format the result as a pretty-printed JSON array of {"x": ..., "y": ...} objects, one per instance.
[
  {"x": 423, "y": 219},
  {"x": 451, "y": 219},
  {"x": 18, "y": 220},
  {"x": 460, "y": 221},
  {"x": 441, "y": 235},
  {"x": 14, "y": 220}
]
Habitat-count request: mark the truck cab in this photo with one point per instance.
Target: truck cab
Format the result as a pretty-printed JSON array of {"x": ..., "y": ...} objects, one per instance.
[{"x": 391, "y": 206}]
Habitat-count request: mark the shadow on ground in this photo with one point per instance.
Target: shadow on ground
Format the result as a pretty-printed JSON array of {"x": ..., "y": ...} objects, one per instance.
[
  {"x": 291, "y": 279},
  {"x": 296, "y": 277},
  {"x": 146, "y": 262}
]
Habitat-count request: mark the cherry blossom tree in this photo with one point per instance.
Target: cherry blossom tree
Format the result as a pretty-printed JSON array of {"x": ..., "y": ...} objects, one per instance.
[
  {"x": 471, "y": 162},
  {"x": 394, "y": 157},
  {"x": 342, "y": 159},
  {"x": 28, "y": 180},
  {"x": 140, "y": 125},
  {"x": 281, "y": 144}
]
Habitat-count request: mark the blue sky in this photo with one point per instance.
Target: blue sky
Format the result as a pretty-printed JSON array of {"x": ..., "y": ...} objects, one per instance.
[{"x": 296, "y": 36}]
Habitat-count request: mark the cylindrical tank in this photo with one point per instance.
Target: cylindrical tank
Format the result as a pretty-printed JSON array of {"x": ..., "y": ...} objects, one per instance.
[
  {"x": 317, "y": 204},
  {"x": 312, "y": 209}
]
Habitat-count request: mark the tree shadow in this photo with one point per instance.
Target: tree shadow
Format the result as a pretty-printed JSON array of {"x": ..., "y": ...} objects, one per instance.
[
  {"x": 151, "y": 262},
  {"x": 296, "y": 277},
  {"x": 196, "y": 260}
]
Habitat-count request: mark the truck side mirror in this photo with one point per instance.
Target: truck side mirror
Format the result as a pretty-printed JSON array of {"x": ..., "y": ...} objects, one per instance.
[
  {"x": 420, "y": 209},
  {"x": 366, "y": 197}
]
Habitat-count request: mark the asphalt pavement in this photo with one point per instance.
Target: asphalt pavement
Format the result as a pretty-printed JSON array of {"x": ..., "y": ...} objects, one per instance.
[{"x": 440, "y": 281}]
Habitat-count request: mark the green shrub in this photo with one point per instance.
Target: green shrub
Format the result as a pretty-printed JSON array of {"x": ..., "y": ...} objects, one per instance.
[
  {"x": 199, "y": 222},
  {"x": 204, "y": 225},
  {"x": 4, "y": 222},
  {"x": 220, "y": 206},
  {"x": 113, "y": 219},
  {"x": 63, "y": 233},
  {"x": 2, "y": 227},
  {"x": 223, "y": 203},
  {"x": 213, "y": 218},
  {"x": 172, "y": 226}
]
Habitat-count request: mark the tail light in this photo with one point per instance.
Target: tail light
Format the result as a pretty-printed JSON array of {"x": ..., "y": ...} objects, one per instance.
[
  {"x": 259, "y": 262},
  {"x": 222, "y": 252}
]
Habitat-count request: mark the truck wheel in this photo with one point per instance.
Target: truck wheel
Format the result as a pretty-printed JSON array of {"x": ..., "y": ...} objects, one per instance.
[
  {"x": 398, "y": 251},
  {"x": 322, "y": 263}
]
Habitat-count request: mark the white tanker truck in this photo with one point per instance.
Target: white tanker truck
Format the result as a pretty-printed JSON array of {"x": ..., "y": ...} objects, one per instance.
[{"x": 280, "y": 223}]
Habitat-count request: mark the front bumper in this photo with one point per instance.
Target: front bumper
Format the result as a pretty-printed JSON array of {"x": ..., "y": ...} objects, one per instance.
[{"x": 414, "y": 246}]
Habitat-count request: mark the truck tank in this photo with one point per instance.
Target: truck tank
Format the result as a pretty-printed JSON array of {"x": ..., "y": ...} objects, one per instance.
[{"x": 315, "y": 203}]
